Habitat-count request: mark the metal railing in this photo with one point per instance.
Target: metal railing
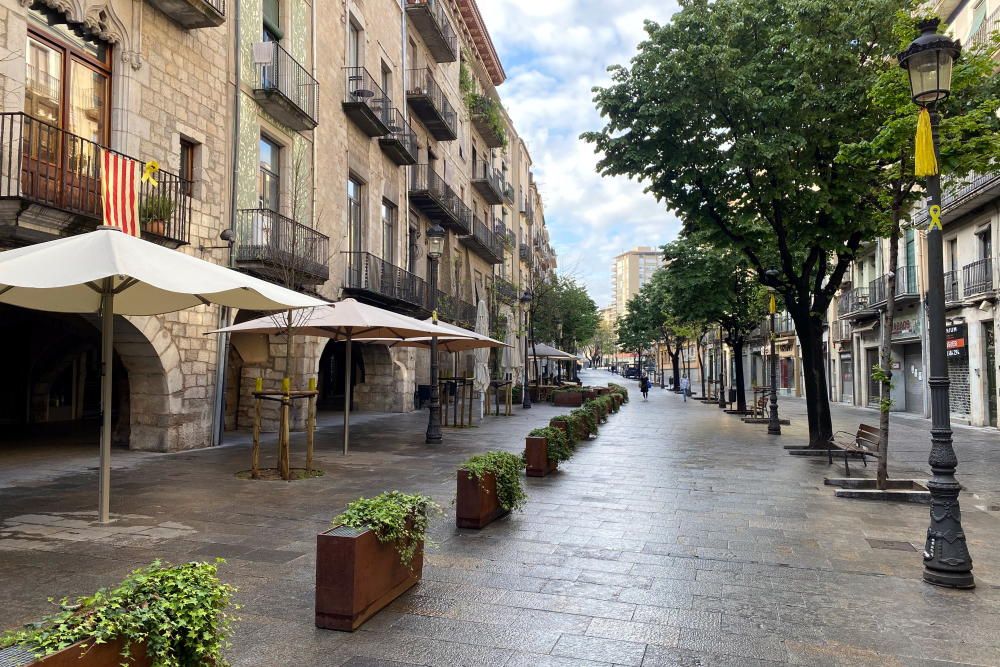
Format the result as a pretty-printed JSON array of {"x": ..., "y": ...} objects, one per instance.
[
  {"x": 978, "y": 277},
  {"x": 362, "y": 89},
  {"x": 906, "y": 285},
  {"x": 952, "y": 292},
  {"x": 957, "y": 191},
  {"x": 49, "y": 166},
  {"x": 840, "y": 331},
  {"x": 455, "y": 310},
  {"x": 524, "y": 252},
  {"x": 990, "y": 25},
  {"x": 277, "y": 71},
  {"x": 440, "y": 17},
  {"x": 783, "y": 324},
  {"x": 487, "y": 238},
  {"x": 422, "y": 83},
  {"x": 400, "y": 130},
  {"x": 423, "y": 178},
  {"x": 463, "y": 214},
  {"x": 852, "y": 301},
  {"x": 482, "y": 170},
  {"x": 291, "y": 250},
  {"x": 370, "y": 273},
  {"x": 506, "y": 290}
]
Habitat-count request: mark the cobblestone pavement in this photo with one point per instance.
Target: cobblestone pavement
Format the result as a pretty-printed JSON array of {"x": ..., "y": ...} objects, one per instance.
[{"x": 680, "y": 536}]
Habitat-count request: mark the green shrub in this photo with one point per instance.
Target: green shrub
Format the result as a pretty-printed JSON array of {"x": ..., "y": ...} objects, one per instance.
[
  {"x": 594, "y": 408},
  {"x": 506, "y": 467},
  {"x": 155, "y": 207},
  {"x": 179, "y": 611},
  {"x": 586, "y": 421},
  {"x": 489, "y": 110},
  {"x": 558, "y": 444},
  {"x": 620, "y": 390},
  {"x": 395, "y": 517}
]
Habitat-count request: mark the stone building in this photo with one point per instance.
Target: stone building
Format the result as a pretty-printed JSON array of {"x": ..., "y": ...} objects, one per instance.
[{"x": 327, "y": 138}]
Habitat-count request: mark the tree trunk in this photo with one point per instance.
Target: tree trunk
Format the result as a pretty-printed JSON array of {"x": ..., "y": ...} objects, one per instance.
[
  {"x": 741, "y": 394},
  {"x": 885, "y": 362},
  {"x": 701, "y": 366},
  {"x": 675, "y": 360},
  {"x": 810, "y": 334}
]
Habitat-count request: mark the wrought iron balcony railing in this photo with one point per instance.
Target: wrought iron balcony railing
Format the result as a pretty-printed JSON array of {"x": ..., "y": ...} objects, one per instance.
[
  {"x": 486, "y": 118},
  {"x": 488, "y": 181},
  {"x": 431, "y": 21},
  {"x": 852, "y": 302},
  {"x": 431, "y": 105},
  {"x": 505, "y": 290},
  {"x": 906, "y": 286},
  {"x": 524, "y": 252},
  {"x": 281, "y": 249},
  {"x": 192, "y": 14},
  {"x": 978, "y": 277},
  {"x": 374, "y": 279},
  {"x": 284, "y": 88},
  {"x": 485, "y": 242},
  {"x": 455, "y": 310},
  {"x": 435, "y": 198},
  {"x": 959, "y": 195},
  {"x": 952, "y": 292},
  {"x": 986, "y": 29},
  {"x": 50, "y": 168},
  {"x": 401, "y": 142},
  {"x": 366, "y": 103}
]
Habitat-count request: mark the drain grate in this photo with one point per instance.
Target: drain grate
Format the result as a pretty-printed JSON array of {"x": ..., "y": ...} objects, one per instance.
[
  {"x": 890, "y": 545},
  {"x": 346, "y": 531},
  {"x": 15, "y": 656}
]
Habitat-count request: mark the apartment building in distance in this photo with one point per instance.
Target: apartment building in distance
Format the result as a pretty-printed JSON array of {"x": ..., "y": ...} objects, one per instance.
[
  {"x": 328, "y": 137},
  {"x": 630, "y": 271}
]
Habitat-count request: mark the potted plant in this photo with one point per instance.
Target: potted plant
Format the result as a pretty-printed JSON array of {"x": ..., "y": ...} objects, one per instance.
[
  {"x": 489, "y": 487},
  {"x": 587, "y": 424},
  {"x": 566, "y": 424},
  {"x": 544, "y": 448},
  {"x": 567, "y": 398},
  {"x": 154, "y": 211},
  {"x": 620, "y": 390},
  {"x": 373, "y": 554},
  {"x": 170, "y": 616}
]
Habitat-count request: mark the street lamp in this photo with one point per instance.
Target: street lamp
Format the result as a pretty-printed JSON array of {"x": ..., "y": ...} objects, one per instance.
[
  {"x": 559, "y": 345},
  {"x": 773, "y": 423},
  {"x": 525, "y": 395},
  {"x": 722, "y": 366},
  {"x": 947, "y": 562},
  {"x": 435, "y": 248}
]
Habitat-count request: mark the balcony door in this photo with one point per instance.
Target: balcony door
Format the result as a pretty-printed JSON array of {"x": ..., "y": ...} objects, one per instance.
[{"x": 67, "y": 85}]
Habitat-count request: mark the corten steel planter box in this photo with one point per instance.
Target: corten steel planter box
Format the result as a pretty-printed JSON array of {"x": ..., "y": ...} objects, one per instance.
[
  {"x": 476, "y": 501},
  {"x": 589, "y": 394},
  {"x": 563, "y": 426},
  {"x": 537, "y": 454},
  {"x": 357, "y": 576},
  {"x": 95, "y": 655},
  {"x": 568, "y": 399},
  {"x": 602, "y": 391}
]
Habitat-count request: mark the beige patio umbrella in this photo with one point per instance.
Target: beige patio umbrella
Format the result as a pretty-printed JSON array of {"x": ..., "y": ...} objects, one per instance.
[
  {"x": 350, "y": 320},
  {"x": 112, "y": 273},
  {"x": 452, "y": 339}
]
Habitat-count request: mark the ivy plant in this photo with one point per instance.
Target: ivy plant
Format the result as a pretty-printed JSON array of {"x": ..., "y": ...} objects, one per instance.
[
  {"x": 506, "y": 468},
  {"x": 881, "y": 377},
  {"x": 585, "y": 420},
  {"x": 489, "y": 110},
  {"x": 558, "y": 444},
  {"x": 397, "y": 518},
  {"x": 179, "y": 611}
]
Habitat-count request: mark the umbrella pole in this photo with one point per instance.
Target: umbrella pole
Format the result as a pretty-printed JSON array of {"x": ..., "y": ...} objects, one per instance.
[
  {"x": 107, "y": 349},
  {"x": 347, "y": 394}
]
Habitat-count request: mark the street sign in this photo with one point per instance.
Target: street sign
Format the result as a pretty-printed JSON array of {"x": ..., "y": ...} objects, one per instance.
[{"x": 956, "y": 340}]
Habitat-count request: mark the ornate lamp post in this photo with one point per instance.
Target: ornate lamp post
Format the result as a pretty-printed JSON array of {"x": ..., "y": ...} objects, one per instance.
[
  {"x": 947, "y": 562},
  {"x": 559, "y": 344},
  {"x": 525, "y": 394},
  {"x": 722, "y": 371},
  {"x": 773, "y": 423},
  {"x": 435, "y": 247}
]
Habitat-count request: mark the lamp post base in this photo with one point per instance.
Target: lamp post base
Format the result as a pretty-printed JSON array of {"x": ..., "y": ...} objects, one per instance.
[{"x": 949, "y": 579}]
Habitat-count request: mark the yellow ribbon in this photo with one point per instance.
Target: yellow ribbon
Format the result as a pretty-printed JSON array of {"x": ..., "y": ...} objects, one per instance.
[
  {"x": 924, "y": 160},
  {"x": 773, "y": 306},
  {"x": 149, "y": 172},
  {"x": 935, "y": 214},
  {"x": 434, "y": 317}
]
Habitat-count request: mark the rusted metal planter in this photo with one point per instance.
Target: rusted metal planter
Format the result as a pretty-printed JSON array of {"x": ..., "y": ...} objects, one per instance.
[
  {"x": 568, "y": 399},
  {"x": 357, "y": 576},
  {"x": 476, "y": 501},
  {"x": 89, "y": 654},
  {"x": 536, "y": 452},
  {"x": 563, "y": 426}
]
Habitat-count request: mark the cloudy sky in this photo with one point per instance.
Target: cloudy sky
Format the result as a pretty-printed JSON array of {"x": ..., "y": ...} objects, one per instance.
[{"x": 554, "y": 52}]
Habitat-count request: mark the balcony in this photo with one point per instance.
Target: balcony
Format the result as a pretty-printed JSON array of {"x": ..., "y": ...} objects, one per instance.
[
  {"x": 488, "y": 121},
  {"x": 506, "y": 291},
  {"x": 284, "y": 88},
  {"x": 840, "y": 332},
  {"x": 431, "y": 21},
  {"x": 435, "y": 199},
  {"x": 484, "y": 242},
  {"x": 488, "y": 181},
  {"x": 280, "y": 249},
  {"x": 952, "y": 293},
  {"x": 990, "y": 25},
  {"x": 401, "y": 142},
  {"x": 366, "y": 103},
  {"x": 508, "y": 191},
  {"x": 50, "y": 186},
  {"x": 853, "y": 303},
  {"x": 456, "y": 311},
  {"x": 961, "y": 196},
  {"x": 190, "y": 14},
  {"x": 906, "y": 287},
  {"x": 978, "y": 278},
  {"x": 783, "y": 325},
  {"x": 430, "y": 105},
  {"x": 524, "y": 252},
  {"x": 373, "y": 280}
]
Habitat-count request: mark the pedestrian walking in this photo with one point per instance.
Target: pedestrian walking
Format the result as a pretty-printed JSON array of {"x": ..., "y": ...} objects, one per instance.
[
  {"x": 685, "y": 387},
  {"x": 644, "y": 387}
]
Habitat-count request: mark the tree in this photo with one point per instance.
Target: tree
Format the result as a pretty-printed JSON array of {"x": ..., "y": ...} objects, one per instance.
[
  {"x": 969, "y": 139},
  {"x": 734, "y": 114},
  {"x": 601, "y": 343},
  {"x": 639, "y": 326},
  {"x": 566, "y": 315}
]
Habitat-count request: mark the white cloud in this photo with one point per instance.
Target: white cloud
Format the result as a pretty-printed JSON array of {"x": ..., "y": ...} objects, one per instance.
[{"x": 555, "y": 52}]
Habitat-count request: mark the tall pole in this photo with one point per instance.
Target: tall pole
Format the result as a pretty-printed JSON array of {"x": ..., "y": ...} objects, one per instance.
[
  {"x": 107, "y": 364},
  {"x": 347, "y": 390},
  {"x": 434, "y": 417},
  {"x": 525, "y": 394},
  {"x": 947, "y": 561},
  {"x": 722, "y": 375},
  {"x": 773, "y": 423}
]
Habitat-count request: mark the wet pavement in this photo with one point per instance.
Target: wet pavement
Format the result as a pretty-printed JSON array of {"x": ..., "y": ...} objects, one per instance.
[{"x": 679, "y": 536}]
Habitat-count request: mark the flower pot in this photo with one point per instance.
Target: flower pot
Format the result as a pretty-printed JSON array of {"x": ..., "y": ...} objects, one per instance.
[
  {"x": 536, "y": 452},
  {"x": 589, "y": 394},
  {"x": 357, "y": 576},
  {"x": 89, "y": 654},
  {"x": 563, "y": 426},
  {"x": 568, "y": 399},
  {"x": 602, "y": 391},
  {"x": 156, "y": 227},
  {"x": 476, "y": 501}
]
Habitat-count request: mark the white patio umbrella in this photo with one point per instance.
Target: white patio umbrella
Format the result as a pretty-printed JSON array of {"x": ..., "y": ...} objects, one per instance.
[
  {"x": 452, "y": 339},
  {"x": 482, "y": 375},
  {"x": 112, "y": 273},
  {"x": 349, "y": 320}
]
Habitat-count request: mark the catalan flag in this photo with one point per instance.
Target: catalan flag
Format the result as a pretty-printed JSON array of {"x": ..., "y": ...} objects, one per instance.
[{"x": 120, "y": 192}]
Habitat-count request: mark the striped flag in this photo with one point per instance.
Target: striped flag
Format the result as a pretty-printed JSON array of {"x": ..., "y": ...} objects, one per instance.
[{"x": 120, "y": 192}]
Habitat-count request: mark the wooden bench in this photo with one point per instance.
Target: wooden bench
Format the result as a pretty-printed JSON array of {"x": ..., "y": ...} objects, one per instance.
[{"x": 864, "y": 442}]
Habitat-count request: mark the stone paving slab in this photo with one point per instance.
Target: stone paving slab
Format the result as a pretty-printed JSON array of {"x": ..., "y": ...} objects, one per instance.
[{"x": 679, "y": 536}]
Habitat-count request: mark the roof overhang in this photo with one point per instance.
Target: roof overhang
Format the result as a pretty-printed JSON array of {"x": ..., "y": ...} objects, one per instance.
[{"x": 481, "y": 38}]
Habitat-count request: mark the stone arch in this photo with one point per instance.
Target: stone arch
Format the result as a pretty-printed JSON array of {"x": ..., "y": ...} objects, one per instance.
[{"x": 156, "y": 383}]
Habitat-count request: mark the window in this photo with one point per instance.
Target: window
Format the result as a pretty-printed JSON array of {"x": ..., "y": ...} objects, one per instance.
[
  {"x": 356, "y": 215},
  {"x": 389, "y": 216},
  {"x": 985, "y": 244},
  {"x": 187, "y": 165},
  {"x": 269, "y": 188},
  {"x": 951, "y": 254},
  {"x": 386, "y": 80},
  {"x": 978, "y": 16},
  {"x": 271, "y": 28},
  {"x": 353, "y": 44}
]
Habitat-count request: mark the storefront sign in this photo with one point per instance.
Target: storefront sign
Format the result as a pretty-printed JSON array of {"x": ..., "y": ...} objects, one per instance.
[
  {"x": 906, "y": 327},
  {"x": 956, "y": 340}
]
